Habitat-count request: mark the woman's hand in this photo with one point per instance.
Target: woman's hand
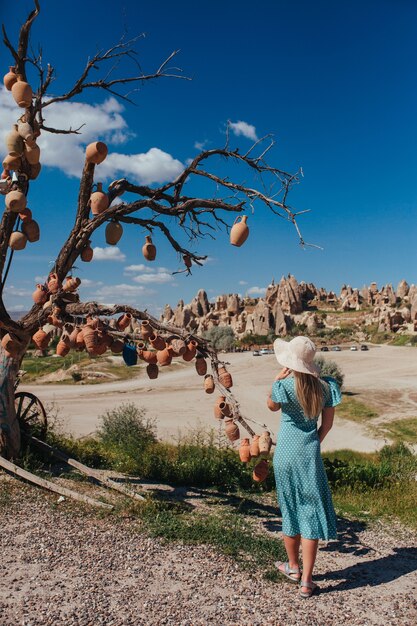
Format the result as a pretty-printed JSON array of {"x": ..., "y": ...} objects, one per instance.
[{"x": 284, "y": 373}]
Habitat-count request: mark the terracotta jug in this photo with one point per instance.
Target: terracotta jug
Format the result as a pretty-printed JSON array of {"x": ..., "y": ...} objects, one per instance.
[
  {"x": 218, "y": 414},
  {"x": 99, "y": 201},
  {"x": 25, "y": 215},
  {"x": 117, "y": 346},
  {"x": 31, "y": 230},
  {"x": 22, "y": 93},
  {"x": 208, "y": 383},
  {"x": 146, "y": 330},
  {"x": 41, "y": 339},
  {"x": 5, "y": 175},
  {"x": 55, "y": 319},
  {"x": 240, "y": 231},
  {"x": 10, "y": 78},
  {"x": 244, "y": 451},
  {"x": 14, "y": 143},
  {"x": 15, "y": 201},
  {"x": 152, "y": 371},
  {"x": 124, "y": 321},
  {"x": 114, "y": 231},
  {"x": 40, "y": 295},
  {"x": 164, "y": 357},
  {"x": 96, "y": 152},
  {"x": 32, "y": 154},
  {"x": 157, "y": 342},
  {"x": 80, "y": 343},
  {"x": 187, "y": 261},
  {"x": 26, "y": 131},
  {"x": 73, "y": 337},
  {"x": 87, "y": 253},
  {"x": 11, "y": 345},
  {"x": 260, "y": 471},
  {"x": 148, "y": 249},
  {"x": 178, "y": 347},
  {"x": 191, "y": 350},
  {"x": 148, "y": 356},
  {"x": 63, "y": 347},
  {"x": 71, "y": 283},
  {"x": 54, "y": 284},
  {"x": 272, "y": 406},
  {"x": 265, "y": 442},
  {"x": 200, "y": 365},
  {"x": 231, "y": 430},
  {"x": 12, "y": 163},
  {"x": 225, "y": 409},
  {"x": 254, "y": 446},
  {"x": 34, "y": 171},
  {"x": 141, "y": 345},
  {"x": 225, "y": 378},
  {"x": 90, "y": 339},
  {"x": 17, "y": 240}
]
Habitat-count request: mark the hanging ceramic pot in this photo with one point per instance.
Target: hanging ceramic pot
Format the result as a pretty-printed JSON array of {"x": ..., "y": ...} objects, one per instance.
[
  {"x": 31, "y": 230},
  {"x": 5, "y": 175},
  {"x": 32, "y": 154},
  {"x": 225, "y": 409},
  {"x": 26, "y": 131},
  {"x": 87, "y": 253},
  {"x": 22, "y": 92},
  {"x": 260, "y": 471},
  {"x": 54, "y": 284},
  {"x": 41, "y": 339},
  {"x": 218, "y": 414},
  {"x": 40, "y": 295},
  {"x": 157, "y": 342},
  {"x": 25, "y": 215},
  {"x": 117, "y": 346},
  {"x": 71, "y": 283},
  {"x": 178, "y": 346},
  {"x": 17, "y": 240},
  {"x": 55, "y": 319},
  {"x": 164, "y": 357},
  {"x": 114, "y": 231},
  {"x": 146, "y": 330},
  {"x": 148, "y": 249},
  {"x": 80, "y": 343},
  {"x": 15, "y": 201},
  {"x": 96, "y": 152},
  {"x": 140, "y": 345},
  {"x": 124, "y": 321},
  {"x": 12, "y": 163},
  {"x": 11, "y": 345},
  {"x": 130, "y": 355},
  {"x": 152, "y": 371},
  {"x": 14, "y": 143},
  {"x": 148, "y": 356},
  {"x": 10, "y": 78},
  {"x": 34, "y": 171},
  {"x": 265, "y": 442},
  {"x": 231, "y": 430},
  {"x": 63, "y": 346},
  {"x": 244, "y": 451},
  {"x": 90, "y": 339},
  {"x": 272, "y": 406},
  {"x": 200, "y": 365},
  {"x": 225, "y": 378},
  {"x": 99, "y": 201},
  {"x": 240, "y": 231},
  {"x": 191, "y": 350},
  {"x": 208, "y": 383},
  {"x": 254, "y": 446},
  {"x": 73, "y": 337}
]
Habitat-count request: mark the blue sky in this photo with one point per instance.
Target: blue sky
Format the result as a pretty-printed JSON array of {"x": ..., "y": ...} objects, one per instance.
[{"x": 335, "y": 82}]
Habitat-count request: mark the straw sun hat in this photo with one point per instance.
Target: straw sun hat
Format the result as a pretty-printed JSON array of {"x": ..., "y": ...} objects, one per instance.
[{"x": 297, "y": 354}]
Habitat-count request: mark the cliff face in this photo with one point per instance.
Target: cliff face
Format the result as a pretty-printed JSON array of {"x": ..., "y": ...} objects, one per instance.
[{"x": 289, "y": 302}]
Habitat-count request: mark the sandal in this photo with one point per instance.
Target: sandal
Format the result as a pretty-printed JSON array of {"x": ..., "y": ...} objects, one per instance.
[
  {"x": 312, "y": 587},
  {"x": 288, "y": 571}
]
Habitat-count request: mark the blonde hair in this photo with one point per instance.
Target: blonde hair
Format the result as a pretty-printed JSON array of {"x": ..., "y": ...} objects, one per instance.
[{"x": 310, "y": 393}]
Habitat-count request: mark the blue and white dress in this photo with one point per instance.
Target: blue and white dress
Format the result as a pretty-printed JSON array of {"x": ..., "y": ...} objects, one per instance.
[{"x": 303, "y": 492}]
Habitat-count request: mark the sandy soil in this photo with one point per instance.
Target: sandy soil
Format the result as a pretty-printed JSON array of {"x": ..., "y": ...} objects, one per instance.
[{"x": 176, "y": 400}]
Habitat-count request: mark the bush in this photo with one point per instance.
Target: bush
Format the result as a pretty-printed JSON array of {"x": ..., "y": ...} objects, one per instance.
[
  {"x": 330, "y": 368},
  {"x": 221, "y": 337}
]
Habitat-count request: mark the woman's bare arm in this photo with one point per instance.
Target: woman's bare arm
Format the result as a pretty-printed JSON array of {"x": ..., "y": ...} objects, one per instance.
[{"x": 327, "y": 417}]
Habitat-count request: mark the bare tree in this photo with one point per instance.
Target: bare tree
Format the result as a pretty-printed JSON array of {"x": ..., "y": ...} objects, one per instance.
[{"x": 166, "y": 209}]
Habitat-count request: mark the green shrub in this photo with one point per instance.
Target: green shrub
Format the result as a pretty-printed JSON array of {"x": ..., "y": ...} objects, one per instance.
[
  {"x": 330, "y": 368},
  {"x": 221, "y": 337}
]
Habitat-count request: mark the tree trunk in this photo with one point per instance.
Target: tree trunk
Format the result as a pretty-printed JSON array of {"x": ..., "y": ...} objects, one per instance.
[{"x": 9, "y": 426}]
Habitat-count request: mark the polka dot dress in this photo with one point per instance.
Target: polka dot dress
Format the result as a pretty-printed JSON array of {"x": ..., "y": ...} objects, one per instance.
[{"x": 303, "y": 492}]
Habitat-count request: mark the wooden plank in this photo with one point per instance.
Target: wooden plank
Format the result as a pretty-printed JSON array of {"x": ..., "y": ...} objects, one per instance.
[{"x": 46, "y": 484}]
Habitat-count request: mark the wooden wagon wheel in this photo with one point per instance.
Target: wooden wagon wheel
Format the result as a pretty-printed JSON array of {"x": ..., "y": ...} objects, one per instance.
[{"x": 31, "y": 414}]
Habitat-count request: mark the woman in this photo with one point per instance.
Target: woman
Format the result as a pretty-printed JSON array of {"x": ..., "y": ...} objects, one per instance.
[{"x": 303, "y": 492}]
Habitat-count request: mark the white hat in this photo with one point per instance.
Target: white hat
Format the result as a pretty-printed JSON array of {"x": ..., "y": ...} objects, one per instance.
[{"x": 297, "y": 354}]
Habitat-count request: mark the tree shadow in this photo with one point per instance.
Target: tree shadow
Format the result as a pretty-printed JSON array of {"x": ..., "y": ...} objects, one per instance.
[{"x": 348, "y": 540}]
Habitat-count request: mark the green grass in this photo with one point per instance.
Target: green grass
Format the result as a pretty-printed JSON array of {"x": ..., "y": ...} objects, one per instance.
[
  {"x": 37, "y": 367},
  {"x": 355, "y": 410},
  {"x": 400, "y": 430}
]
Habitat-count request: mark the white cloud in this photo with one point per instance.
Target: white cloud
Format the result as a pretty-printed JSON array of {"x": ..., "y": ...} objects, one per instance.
[
  {"x": 17, "y": 308},
  {"x": 112, "y": 253},
  {"x": 17, "y": 292},
  {"x": 256, "y": 291},
  {"x": 149, "y": 279},
  {"x": 244, "y": 129},
  {"x": 148, "y": 167},
  {"x": 144, "y": 268},
  {"x": 40, "y": 279},
  {"x": 88, "y": 283},
  {"x": 122, "y": 294},
  {"x": 243, "y": 282},
  {"x": 200, "y": 145}
]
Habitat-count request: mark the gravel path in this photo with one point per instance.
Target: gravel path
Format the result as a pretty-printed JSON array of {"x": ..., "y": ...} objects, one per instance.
[{"x": 64, "y": 566}]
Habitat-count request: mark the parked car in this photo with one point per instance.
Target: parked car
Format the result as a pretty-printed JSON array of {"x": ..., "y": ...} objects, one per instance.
[
  {"x": 264, "y": 351},
  {"x": 353, "y": 348},
  {"x": 256, "y": 353},
  {"x": 336, "y": 349},
  {"x": 364, "y": 347},
  {"x": 325, "y": 349}
]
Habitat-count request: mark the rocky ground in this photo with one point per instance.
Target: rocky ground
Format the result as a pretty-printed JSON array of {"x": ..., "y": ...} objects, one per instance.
[{"x": 64, "y": 565}]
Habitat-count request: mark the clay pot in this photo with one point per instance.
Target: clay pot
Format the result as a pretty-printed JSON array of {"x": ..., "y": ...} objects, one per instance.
[
  {"x": 254, "y": 446},
  {"x": 40, "y": 295},
  {"x": 178, "y": 347},
  {"x": 124, "y": 321},
  {"x": 73, "y": 336},
  {"x": 164, "y": 357},
  {"x": 152, "y": 371},
  {"x": 260, "y": 471},
  {"x": 11, "y": 345},
  {"x": 26, "y": 131},
  {"x": 146, "y": 330},
  {"x": 244, "y": 451},
  {"x": 32, "y": 154},
  {"x": 31, "y": 230},
  {"x": 54, "y": 318},
  {"x": 17, "y": 240},
  {"x": 10, "y": 79},
  {"x": 187, "y": 261},
  {"x": 225, "y": 378},
  {"x": 80, "y": 343},
  {"x": 25, "y": 215},
  {"x": 148, "y": 356},
  {"x": 265, "y": 442},
  {"x": 63, "y": 346},
  {"x": 272, "y": 406},
  {"x": 34, "y": 171},
  {"x": 14, "y": 143},
  {"x": 22, "y": 93},
  {"x": 191, "y": 350},
  {"x": 5, "y": 175},
  {"x": 218, "y": 414},
  {"x": 231, "y": 430},
  {"x": 141, "y": 345},
  {"x": 15, "y": 201},
  {"x": 99, "y": 201},
  {"x": 41, "y": 339},
  {"x": 240, "y": 231},
  {"x": 208, "y": 383},
  {"x": 12, "y": 163},
  {"x": 148, "y": 249},
  {"x": 114, "y": 231},
  {"x": 117, "y": 346},
  {"x": 71, "y": 283},
  {"x": 96, "y": 152},
  {"x": 87, "y": 253},
  {"x": 225, "y": 409},
  {"x": 54, "y": 284},
  {"x": 157, "y": 342},
  {"x": 90, "y": 339},
  {"x": 200, "y": 365}
]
